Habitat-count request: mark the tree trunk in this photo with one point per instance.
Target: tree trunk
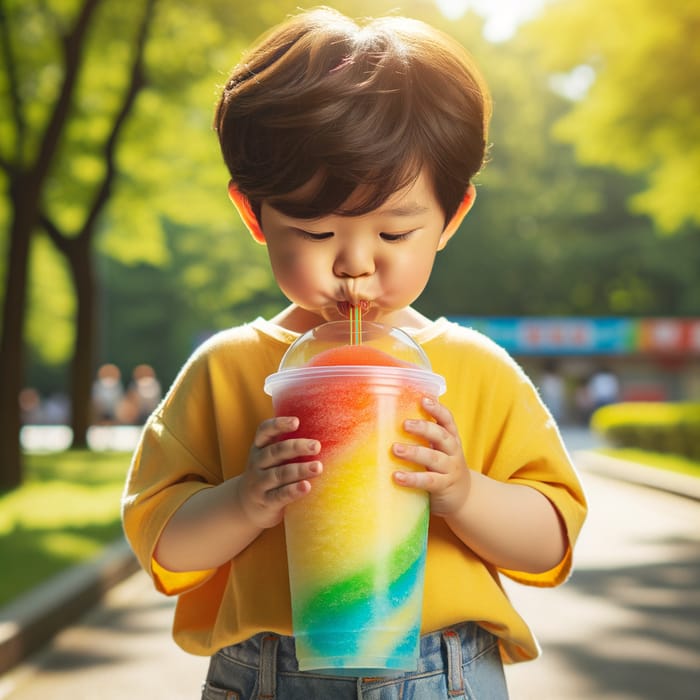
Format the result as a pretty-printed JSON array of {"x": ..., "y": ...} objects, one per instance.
[
  {"x": 11, "y": 350},
  {"x": 83, "y": 358}
]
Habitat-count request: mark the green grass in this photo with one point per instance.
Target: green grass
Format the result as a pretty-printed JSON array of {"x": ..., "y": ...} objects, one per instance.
[
  {"x": 670, "y": 462},
  {"x": 66, "y": 510}
]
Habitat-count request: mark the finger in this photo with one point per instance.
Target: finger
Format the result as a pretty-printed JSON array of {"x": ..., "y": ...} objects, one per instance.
[
  {"x": 289, "y": 474},
  {"x": 285, "y": 495},
  {"x": 423, "y": 456},
  {"x": 436, "y": 435},
  {"x": 426, "y": 481},
  {"x": 292, "y": 481},
  {"x": 440, "y": 413},
  {"x": 269, "y": 430},
  {"x": 286, "y": 451}
]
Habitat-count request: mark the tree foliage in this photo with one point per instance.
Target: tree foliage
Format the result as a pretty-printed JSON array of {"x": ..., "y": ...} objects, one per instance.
[
  {"x": 642, "y": 111},
  {"x": 549, "y": 235},
  {"x": 72, "y": 72}
]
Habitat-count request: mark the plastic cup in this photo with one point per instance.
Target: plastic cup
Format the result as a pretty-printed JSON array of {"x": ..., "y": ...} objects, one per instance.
[{"x": 356, "y": 543}]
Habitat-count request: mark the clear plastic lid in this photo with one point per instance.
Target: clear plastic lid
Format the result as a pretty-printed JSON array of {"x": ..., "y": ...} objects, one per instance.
[
  {"x": 379, "y": 345},
  {"x": 385, "y": 354}
]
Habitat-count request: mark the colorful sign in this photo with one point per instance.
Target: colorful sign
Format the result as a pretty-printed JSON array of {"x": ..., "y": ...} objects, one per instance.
[{"x": 530, "y": 335}]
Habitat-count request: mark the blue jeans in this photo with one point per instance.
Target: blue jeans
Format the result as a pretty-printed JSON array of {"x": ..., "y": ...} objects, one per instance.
[{"x": 458, "y": 662}]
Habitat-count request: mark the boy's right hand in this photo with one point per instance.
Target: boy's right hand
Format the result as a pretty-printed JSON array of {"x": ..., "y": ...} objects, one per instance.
[{"x": 278, "y": 471}]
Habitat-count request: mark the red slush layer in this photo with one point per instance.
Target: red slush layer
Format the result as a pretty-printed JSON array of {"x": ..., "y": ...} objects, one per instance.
[{"x": 336, "y": 410}]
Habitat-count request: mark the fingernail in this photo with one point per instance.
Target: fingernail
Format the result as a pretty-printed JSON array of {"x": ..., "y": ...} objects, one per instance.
[
  {"x": 313, "y": 446},
  {"x": 428, "y": 402},
  {"x": 399, "y": 449}
]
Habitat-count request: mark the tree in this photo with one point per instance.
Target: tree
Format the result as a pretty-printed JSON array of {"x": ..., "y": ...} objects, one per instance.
[
  {"x": 77, "y": 247},
  {"x": 58, "y": 151},
  {"x": 26, "y": 159},
  {"x": 29, "y": 178},
  {"x": 640, "y": 114}
]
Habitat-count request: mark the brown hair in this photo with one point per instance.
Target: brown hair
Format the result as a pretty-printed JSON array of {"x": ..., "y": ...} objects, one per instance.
[{"x": 323, "y": 97}]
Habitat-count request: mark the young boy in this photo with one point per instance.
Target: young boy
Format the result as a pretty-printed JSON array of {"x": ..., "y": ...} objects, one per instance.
[{"x": 351, "y": 151}]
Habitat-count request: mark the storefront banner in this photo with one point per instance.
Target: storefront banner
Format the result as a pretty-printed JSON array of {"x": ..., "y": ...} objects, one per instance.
[{"x": 587, "y": 335}]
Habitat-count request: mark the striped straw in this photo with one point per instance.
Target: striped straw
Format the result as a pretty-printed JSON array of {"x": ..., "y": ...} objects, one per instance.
[{"x": 355, "y": 325}]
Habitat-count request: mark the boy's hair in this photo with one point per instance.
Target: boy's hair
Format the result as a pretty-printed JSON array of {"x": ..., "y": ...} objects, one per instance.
[{"x": 323, "y": 98}]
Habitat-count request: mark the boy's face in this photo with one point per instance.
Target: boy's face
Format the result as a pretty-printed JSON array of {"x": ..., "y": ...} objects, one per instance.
[{"x": 382, "y": 259}]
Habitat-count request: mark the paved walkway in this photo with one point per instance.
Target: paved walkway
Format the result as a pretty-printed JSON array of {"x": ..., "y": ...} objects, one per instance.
[
  {"x": 626, "y": 627},
  {"x": 627, "y": 624},
  {"x": 120, "y": 650}
]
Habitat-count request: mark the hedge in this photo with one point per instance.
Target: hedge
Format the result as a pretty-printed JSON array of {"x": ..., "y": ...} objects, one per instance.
[{"x": 656, "y": 427}]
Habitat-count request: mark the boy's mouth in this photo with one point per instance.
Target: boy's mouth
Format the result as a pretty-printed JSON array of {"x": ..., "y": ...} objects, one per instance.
[{"x": 345, "y": 307}]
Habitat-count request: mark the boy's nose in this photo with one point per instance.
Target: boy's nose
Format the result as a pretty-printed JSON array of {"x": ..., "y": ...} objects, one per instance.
[{"x": 354, "y": 262}]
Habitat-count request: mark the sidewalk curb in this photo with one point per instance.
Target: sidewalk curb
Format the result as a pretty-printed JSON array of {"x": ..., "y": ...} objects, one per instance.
[
  {"x": 641, "y": 474},
  {"x": 33, "y": 619}
]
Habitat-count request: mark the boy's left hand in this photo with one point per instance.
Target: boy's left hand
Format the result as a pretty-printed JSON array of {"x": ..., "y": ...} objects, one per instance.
[{"x": 446, "y": 477}]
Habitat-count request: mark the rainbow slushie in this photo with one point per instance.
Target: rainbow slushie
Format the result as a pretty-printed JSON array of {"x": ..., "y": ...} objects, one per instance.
[{"x": 356, "y": 543}]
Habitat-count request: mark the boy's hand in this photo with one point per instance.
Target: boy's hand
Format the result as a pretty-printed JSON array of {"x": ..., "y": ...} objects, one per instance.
[
  {"x": 277, "y": 473},
  {"x": 446, "y": 477}
]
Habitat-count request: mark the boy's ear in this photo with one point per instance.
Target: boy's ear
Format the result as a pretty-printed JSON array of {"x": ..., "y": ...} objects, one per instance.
[
  {"x": 242, "y": 204},
  {"x": 456, "y": 220}
]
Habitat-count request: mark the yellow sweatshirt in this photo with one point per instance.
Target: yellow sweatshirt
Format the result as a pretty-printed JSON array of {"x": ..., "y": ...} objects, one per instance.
[{"x": 202, "y": 432}]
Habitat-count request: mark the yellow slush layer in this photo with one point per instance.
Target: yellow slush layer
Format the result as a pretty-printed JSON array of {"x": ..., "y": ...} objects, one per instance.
[{"x": 357, "y": 515}]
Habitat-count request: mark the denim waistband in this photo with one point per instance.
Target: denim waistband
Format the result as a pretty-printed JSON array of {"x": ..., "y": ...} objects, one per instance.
[{"x": 438, "y": 650}]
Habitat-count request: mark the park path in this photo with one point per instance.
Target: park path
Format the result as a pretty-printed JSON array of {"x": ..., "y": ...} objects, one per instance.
[
  {"x": 627, "y": 624},
  {"x": 625, "y": 627}
]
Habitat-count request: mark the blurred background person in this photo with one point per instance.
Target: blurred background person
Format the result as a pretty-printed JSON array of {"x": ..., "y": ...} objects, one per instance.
[
  {"x": 107, "y": 394},
  {"x": 143, "y": 395},
  {"x": 30, "y": 406},
  {"x": 603, "y": 388},
  {"x": 553, "y": 390}
]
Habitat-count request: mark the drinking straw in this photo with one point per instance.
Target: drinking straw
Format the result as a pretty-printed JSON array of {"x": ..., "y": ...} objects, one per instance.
[{"x": 355, "y": 325}]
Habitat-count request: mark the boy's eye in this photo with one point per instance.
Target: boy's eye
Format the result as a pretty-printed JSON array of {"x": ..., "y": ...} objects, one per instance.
[
  {"x": 392, "y": 237},
  {"x": 314, "y": 236}
]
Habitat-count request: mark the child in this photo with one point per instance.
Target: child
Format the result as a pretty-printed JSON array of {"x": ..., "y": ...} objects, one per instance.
[{"x": 351, "y": 152}]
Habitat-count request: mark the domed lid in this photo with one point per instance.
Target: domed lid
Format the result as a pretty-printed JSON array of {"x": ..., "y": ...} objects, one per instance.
[{"x": 330, "y": 344}]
